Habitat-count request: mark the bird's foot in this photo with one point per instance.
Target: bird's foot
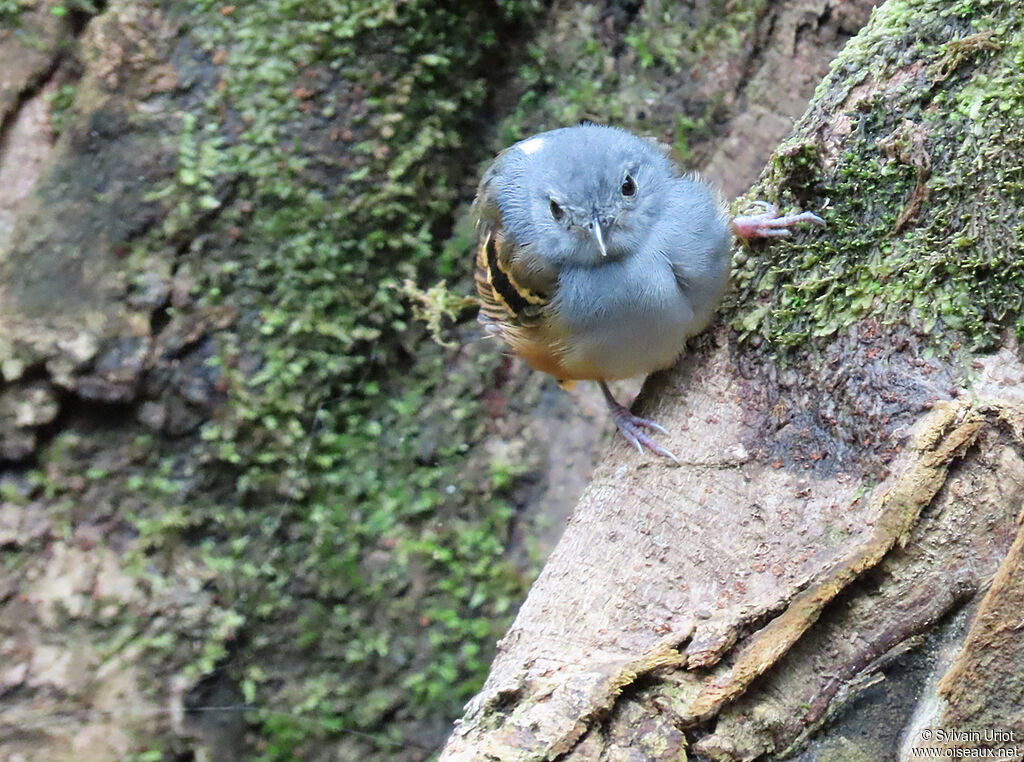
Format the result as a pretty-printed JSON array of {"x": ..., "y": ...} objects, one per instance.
[
  {"x": 768, "y": 224},
  {"x": 632, "y": 426}
]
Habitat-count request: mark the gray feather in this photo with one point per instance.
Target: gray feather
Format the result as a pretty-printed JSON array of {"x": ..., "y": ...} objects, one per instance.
[{"x": 667, "y": 244}]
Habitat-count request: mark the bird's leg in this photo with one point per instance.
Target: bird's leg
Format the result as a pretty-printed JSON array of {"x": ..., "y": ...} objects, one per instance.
[
  {"x": 768, "y": 224},
  {"x": 631, "y": 426}
]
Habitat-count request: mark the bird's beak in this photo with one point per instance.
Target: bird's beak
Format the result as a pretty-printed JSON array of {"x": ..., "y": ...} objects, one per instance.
[{"x": 595, "y": 225}]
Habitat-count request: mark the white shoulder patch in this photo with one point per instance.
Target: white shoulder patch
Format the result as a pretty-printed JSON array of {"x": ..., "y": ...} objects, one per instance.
[{"x": 531, "y": 145}]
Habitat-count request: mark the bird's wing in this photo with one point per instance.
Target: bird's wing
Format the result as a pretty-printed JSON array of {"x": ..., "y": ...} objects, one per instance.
[
  {"x": 515, "y": 294},
  {"x": 504, "y": 301},
  {"x": 513, "y": 291}
]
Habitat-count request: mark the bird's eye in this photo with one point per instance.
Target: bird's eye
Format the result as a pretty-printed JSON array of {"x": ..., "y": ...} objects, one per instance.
[
  {"x": 628, "y": 186},
  {"x": 557, "y": 212}
]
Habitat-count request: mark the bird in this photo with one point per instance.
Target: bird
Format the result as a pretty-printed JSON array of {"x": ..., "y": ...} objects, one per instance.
[{"x": 597, "y": 258}]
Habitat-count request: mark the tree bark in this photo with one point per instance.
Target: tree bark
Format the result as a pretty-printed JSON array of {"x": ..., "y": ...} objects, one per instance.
[{"x": 834, "y": 569}]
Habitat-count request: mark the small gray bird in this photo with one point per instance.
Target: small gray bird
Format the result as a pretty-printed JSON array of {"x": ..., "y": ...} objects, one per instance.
[{"x": 597, "y": 259}]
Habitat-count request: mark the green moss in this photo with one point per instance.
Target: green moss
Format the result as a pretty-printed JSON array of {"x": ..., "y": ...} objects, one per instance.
[
  {"x": 579, "y": 69},
  {"x": 357, "y": 542},
  {"x": 922, "y": 205}
]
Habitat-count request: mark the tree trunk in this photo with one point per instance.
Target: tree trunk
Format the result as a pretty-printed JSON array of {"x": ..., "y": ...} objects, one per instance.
[{"x": 835, "y": 569}]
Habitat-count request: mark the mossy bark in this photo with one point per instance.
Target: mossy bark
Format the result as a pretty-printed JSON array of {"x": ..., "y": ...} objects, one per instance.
[
  {"x": 841, "y": 544},
  {"x": 228, "y": 528}
]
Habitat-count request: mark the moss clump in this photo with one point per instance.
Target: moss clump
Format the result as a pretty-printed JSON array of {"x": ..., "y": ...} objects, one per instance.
[
  {"x": 358, "y": 542},
  {"x": 923, "y": 202}
]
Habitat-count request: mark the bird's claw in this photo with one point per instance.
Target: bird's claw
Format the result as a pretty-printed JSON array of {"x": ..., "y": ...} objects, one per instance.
[
  {"x": 632, "y": 427},
  {"x": 768, "y": 224}
]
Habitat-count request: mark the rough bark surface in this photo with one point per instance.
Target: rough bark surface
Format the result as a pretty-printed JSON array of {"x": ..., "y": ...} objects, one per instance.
[{"x": 843, "y": 500}]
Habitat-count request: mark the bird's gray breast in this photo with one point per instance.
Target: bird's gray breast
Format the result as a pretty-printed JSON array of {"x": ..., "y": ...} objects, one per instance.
[{"x": 626, "y": 317}]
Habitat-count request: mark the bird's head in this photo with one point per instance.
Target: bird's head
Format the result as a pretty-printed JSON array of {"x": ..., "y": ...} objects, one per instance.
[{"x": 582, "y": 195}]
